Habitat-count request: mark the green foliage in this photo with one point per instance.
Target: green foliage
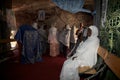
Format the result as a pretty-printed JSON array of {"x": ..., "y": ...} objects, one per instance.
[{"x": 110, "y": 34}]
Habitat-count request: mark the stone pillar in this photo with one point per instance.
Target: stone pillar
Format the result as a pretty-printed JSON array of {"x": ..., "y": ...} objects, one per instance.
[
  {"x": 97, "y": 13},
  {"x": 4, "y": 29}
]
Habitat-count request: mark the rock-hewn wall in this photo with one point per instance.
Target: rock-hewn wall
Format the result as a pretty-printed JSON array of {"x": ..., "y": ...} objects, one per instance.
[{"x": 57, "y": 15}]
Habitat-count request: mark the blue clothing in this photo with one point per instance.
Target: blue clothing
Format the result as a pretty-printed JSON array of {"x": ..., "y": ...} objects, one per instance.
[
  {"x": 71, "y": 5},
  {"x": 31, "y": 46},
  {"x": 21, "y": 31}
]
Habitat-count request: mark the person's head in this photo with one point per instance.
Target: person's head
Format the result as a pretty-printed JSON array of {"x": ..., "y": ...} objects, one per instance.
[
  {"x": 81, "y": 25},
  {"x": 92, "y": 31},
  {"x": 68, "y": 26},
  {"x": 35, "y": 25}
]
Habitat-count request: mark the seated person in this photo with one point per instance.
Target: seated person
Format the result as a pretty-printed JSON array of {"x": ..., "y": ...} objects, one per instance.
[{"x": 86, "y": 55}]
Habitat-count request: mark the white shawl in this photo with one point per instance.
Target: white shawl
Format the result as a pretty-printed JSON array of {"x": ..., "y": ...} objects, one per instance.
[
  {"x": 86, "y": 55},
  {"x": 87, "y": 52}
]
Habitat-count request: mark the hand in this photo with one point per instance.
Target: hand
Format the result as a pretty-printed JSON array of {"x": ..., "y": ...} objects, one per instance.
[{"x": 74, "y": 57}]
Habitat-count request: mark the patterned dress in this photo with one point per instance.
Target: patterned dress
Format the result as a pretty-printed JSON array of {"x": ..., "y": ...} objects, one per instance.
[{"x": 31, "y": 47}]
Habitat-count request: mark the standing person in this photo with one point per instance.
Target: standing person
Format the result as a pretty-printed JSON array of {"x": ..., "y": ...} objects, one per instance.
[
  {"x": 73, "y": 37},
  {"x": 27, "y": 38},
  {"x": 43, "y": 38},
  {"x": 79, "y": 33},
  {"x": 52, "y": 39},
  {"x": 86, "y": 55},
  {"x": 64, "y": 39}
]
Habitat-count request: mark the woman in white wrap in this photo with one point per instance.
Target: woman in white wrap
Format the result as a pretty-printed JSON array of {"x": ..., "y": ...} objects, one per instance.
[
  {"x": 86, "y": 55},
  {"x": 52, "y": 39}
]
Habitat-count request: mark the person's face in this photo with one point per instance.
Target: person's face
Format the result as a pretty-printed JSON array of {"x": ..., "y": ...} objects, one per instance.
[
  {"x": 81, "y": 26},
  {"x": 89, "y": 32}
]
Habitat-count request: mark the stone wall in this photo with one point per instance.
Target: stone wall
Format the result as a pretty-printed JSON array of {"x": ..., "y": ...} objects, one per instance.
[{"x": 57, "y": 15}]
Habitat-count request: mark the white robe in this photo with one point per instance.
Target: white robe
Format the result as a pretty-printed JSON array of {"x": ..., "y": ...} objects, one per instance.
[
  {"x": 86, "y": 56},
  {"x": 64, "y": 37},
  {"x": 54, "y": 45}
]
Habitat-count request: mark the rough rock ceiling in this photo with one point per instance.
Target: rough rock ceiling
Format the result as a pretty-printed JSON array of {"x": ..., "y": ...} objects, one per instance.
[
  {"x": 29, "y": 8},
  {"x": 33, "y": 5}
]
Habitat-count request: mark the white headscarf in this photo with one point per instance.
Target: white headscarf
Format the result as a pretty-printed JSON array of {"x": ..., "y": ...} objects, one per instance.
[
  {"x": 87, "y": 52},
  {"x": 94, "y": 31}
]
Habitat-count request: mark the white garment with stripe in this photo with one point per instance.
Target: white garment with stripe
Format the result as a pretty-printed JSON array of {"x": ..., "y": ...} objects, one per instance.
[{"x": 86, "y": 55}]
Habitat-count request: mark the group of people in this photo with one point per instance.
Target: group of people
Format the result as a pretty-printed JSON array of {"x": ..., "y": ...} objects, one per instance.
[
  {"x": 34, "y": 40},
  {"x": 83, "y": 50},
  {"x": 70, "y": 37}
]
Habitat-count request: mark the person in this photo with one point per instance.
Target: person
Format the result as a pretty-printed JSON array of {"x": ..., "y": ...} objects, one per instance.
[
  {"x": 73, "y": 37},
  {"x": 81, "y": 36},
  {"x": 86, "y": 55},
  {"x": 81, "y": 33},
  {"x": 35, "y": 25},
  {"x": 43, "y": 38},
  {"x": 52, "y": 39},
  {"x": 27, "y": 38},
  {"x": 64, "y": 39}
]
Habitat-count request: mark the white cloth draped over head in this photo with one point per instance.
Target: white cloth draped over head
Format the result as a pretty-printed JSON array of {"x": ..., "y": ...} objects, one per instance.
[
  {"x": 87, "y": 52},
  {"x": 94, "y": 31},
  {"x": 52, "y": 37},
  {"x": 86, "y": 55}
]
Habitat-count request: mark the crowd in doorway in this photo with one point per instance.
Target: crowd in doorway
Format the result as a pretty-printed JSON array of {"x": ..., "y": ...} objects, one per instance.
[
  {"x": 36, "y": 39},
  {"x": 74, "y": 43}
]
